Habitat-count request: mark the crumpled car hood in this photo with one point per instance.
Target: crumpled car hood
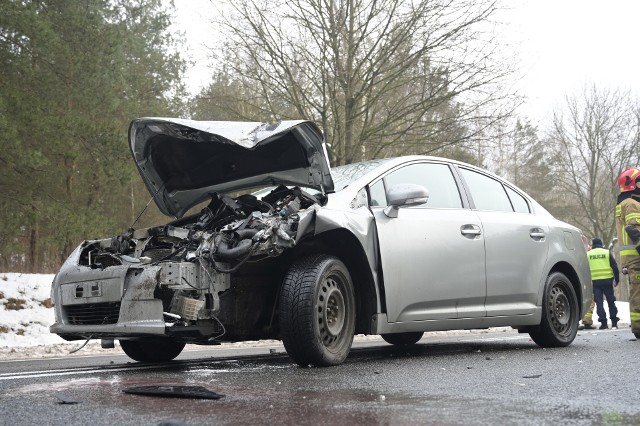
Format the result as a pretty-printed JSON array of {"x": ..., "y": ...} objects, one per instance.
[{"x": 182, "y": 161}]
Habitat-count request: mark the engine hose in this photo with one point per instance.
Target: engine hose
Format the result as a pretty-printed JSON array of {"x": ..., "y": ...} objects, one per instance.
[
  {"x": 246, "y": 233},
  {"x": 225, "y": 252},
  {"x": 239, "y": 264}
]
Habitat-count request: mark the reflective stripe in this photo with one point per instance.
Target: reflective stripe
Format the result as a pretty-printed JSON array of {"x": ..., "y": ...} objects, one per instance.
[
  {"x": 633, "y": 252},
  {"x": 635, "y": 316},
  {"x": 631, "y": 216},
  {"x": 627, "y": 249},
  {"x": 623, "y": 233}
]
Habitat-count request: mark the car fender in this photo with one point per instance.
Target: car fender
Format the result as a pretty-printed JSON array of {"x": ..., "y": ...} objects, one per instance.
[
  {"x": 359, "y": 225},
  {"x": 568, "y": 255}
]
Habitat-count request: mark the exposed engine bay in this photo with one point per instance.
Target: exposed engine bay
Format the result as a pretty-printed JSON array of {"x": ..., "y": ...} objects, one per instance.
[{"x": 190, "y": 261}]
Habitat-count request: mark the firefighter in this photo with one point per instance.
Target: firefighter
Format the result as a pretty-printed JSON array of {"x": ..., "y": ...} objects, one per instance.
[
  {"x": 628, "y": 229},
  {"x": 604, "y": 273},
  {"x": 587, "y": 320}
]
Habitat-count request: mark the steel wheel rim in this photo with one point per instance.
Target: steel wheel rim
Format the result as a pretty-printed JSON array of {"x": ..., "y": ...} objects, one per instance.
[
  {"x": 331, "y": 309},
  {"x": 559, "y": 310}
]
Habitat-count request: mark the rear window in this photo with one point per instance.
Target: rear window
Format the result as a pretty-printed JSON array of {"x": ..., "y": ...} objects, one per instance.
[
  {"x": 487, "y": 193},
  {"x": 520, "y": 205}
]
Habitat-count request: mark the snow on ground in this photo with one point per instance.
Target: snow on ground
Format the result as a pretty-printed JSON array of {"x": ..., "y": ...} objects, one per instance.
[{"x": 26, "y": 314}]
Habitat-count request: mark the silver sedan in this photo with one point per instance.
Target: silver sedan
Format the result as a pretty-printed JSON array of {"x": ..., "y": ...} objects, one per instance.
[{"x": 394, "y": 247}]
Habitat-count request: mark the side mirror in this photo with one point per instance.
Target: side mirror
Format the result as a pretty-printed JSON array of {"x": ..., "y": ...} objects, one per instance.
[{"x": 405, "y": 195}]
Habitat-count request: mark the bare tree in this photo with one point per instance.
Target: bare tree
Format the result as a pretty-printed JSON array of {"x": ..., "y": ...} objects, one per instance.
[
  {"x": 518, "y": 155},
  {"x": 595, "y": 138},
  {"x": 381, "y": 77}
]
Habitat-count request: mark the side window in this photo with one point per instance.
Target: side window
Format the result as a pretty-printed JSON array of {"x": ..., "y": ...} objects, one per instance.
[
  {"x": 377, "y": 194},
  {"x": 487, "y": 193},
  {"x": 437, "y": 178},
  {"x": 520, "y": 205}
]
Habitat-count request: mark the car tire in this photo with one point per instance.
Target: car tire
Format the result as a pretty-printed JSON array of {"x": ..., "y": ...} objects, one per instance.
[
  {"x": 317, "y": 311},
  {"x": 402, "y": 339},
  {"x": 144, "y": 350},
  {"x": 560, "y": 313}
]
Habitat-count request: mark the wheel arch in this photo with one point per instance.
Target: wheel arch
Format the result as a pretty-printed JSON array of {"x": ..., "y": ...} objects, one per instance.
[
  {"x": 566, "y": 269},
  {"x": 344, "y": 245}
]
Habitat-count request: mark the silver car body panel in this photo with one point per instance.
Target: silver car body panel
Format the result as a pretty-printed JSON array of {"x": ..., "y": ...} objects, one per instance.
[
  {"x": 445, "y": 268},
  {"x": 566, "y": 247},
  {"x": 138, "y": 314},
  {"x": 513, "y": 286},
  {"x": 420, "y": 274}
]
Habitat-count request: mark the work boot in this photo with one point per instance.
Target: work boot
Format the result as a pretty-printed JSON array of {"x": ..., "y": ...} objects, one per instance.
[
  {"x": 603, "y": 326},
  {"x": 614, "y": 323},
  {"x": 585, "y": 327}
]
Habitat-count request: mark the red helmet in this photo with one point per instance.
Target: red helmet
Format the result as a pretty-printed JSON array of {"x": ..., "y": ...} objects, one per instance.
[{"x": 627, "y": 179}]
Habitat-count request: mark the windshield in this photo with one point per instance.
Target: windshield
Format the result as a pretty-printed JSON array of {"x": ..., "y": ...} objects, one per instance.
[{"x": 343, "y": 176}]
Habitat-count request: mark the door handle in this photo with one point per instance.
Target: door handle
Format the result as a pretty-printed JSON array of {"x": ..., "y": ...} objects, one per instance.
[
  {"x": 537, "y": 234},
  {"x": 470, "y": 231}
]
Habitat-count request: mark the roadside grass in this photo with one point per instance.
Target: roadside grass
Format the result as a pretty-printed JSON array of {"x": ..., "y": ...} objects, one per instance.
[{"x": 14, "y": 304}]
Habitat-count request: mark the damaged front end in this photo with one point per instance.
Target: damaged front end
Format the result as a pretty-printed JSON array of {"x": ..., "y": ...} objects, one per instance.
[{"x": 211, "y": 276}]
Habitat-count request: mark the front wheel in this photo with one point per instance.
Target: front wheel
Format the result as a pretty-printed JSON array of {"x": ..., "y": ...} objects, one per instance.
[
  {"x": 403, "y": 338},
  {"x": 144, "y": 350},
  {"x": 317, "y": 311},
  {"x": 560, "y": 313}
]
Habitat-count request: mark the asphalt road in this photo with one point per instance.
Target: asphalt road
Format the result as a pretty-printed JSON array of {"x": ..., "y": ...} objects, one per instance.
[{"x": 496, "y": 378}]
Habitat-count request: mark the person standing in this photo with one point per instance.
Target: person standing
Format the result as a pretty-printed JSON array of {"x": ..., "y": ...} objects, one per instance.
[
  {"x": 628, "y": 230},
  {"x": 587, "y": 319},
  {"x": 604, "y": 273}
]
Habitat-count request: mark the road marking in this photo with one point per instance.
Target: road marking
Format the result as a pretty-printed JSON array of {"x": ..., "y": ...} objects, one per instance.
[
  {"x": 188, "y": 363},
  {"x": 51, "y": 373},
  {"x": 46, "y": 358},
  {"x": 495, "y": 339}
]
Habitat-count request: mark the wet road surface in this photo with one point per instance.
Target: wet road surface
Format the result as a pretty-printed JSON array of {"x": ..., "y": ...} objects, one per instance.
[{"x": 471, "y": 379}]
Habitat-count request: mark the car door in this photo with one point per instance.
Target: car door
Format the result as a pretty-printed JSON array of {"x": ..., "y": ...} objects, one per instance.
[
  {"x": 515, "y": 241},
  {"x": 432, "y": 255}
]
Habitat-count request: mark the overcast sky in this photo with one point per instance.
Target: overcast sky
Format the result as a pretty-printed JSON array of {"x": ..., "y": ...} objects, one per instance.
[
  {"x": 562, "y": 45},
  {"x": 569, "y": 43}
]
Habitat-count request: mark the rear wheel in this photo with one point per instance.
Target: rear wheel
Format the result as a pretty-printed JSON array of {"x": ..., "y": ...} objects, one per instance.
[
  {"x": 146, "y": 350},
  {"x": 317, "y": 311},
  {"x": 403, "y": 338},
  {"x": 560, "y": 313}
]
